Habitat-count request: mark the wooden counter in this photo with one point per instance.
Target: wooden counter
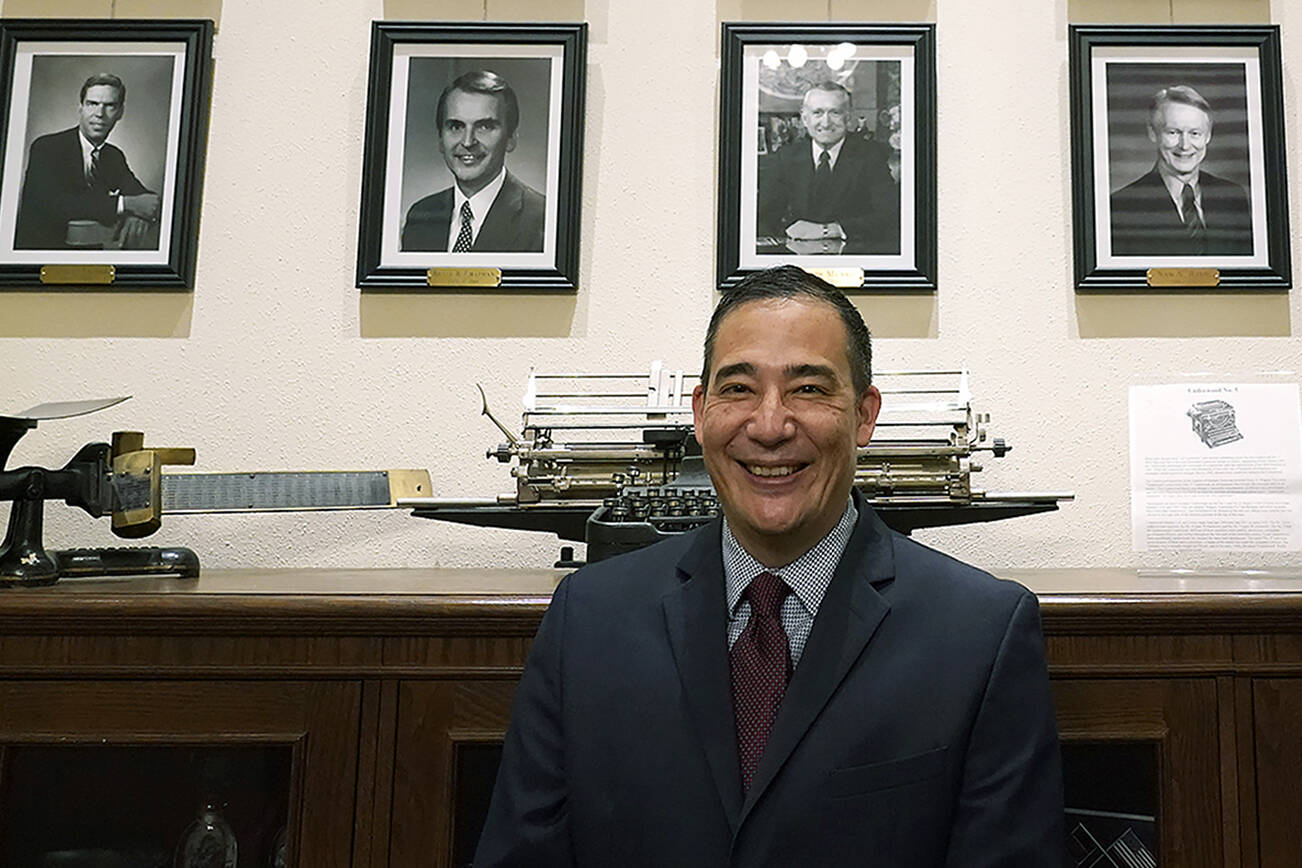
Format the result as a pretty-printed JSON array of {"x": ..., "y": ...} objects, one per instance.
[{"x": 387, "y": 682}]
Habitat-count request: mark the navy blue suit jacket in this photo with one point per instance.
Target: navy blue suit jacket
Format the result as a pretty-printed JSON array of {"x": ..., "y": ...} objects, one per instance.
[
  {"x": 917, "y": 729},
  {"x": 514, "y": 223},
  {"x": 1145, "y": 221},
  {"x": 55, "y": 190}
]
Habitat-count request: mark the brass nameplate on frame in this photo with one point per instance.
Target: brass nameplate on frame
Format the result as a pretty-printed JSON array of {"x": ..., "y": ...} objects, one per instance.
[
  {"x": 1184, "y": 277},
  {"x": 843, "y": 278},
  {"x": 83, "y": 274},
  {"x": 464, "y": 277}
]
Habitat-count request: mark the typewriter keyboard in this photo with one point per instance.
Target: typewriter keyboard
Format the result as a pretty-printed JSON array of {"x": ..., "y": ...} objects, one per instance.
[{"x": 666, "y": 509}]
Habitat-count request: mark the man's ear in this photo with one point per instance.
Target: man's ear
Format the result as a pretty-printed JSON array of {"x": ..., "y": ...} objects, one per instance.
[
  {"x": 869, "y": 406},
  {"x": 698, "y": 406},
  {"x": 510, "y": 143}
]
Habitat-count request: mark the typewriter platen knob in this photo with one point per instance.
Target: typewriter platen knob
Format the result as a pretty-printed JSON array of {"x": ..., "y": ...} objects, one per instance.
[{"x": 1000, "y": 447}]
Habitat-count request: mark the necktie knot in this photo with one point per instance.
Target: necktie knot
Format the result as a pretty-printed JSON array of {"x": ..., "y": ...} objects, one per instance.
[
  {"x": 824, "y": 160},
  {"x": 766, "y": 593}
]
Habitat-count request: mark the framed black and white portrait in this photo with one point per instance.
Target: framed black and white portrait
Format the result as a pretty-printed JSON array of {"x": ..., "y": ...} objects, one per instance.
[
  {"x": 1178, "y": 157},
  {"x": 104, "y": 131},
  {"x": 828, "y": 151},
  {"x": 473, "y": 155}
]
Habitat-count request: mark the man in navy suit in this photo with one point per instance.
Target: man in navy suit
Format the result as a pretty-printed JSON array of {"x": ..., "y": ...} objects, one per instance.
[
  {"x": 792, "y": 685},
  {"x": 76, "y": 175},
  {"x": 1179, "y": 208},
  {"x": 488, "y": 209},
  {"x": 832, "y": 192}
]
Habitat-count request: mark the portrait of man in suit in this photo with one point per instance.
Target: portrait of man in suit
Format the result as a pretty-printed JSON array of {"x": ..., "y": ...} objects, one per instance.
[
  {"x": 1178, "y": 208},
  {"x": 487, "y": 209},
  {"x": 793, "y": 683},
  {"x": 829, "y": 191},
  {"x": 78, "y": 188}
]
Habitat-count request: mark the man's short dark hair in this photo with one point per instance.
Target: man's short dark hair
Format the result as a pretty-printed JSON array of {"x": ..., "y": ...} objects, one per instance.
[
  {"x": 830, "y": 87},
  {"x": 482, "y": 81},
  {"x": 1179, "y": 93},
  {"x": 104, "y": 78},
  {"x": 788, "y": 281}
]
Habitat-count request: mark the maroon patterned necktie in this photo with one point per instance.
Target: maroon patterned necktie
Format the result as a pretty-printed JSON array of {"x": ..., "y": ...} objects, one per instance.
[{"x": 760, "y": 660}]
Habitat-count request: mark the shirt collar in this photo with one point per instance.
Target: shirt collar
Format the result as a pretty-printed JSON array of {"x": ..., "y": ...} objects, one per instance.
[
  {"x": 86, "y": 144},
  {"x": 832, "y": 152},
  {"x": 1175, "y": 187},
  {"x": 808, "y": 575},
  {"x": 481, "y": 201}
]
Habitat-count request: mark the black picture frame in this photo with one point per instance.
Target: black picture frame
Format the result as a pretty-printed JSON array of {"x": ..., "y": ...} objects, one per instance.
[
  {"x": 1122, "y": 226},
  {"x": 160, "y": 140},
  {"x": 891, "y": 75},
  {"x": 402, "y": 215}
]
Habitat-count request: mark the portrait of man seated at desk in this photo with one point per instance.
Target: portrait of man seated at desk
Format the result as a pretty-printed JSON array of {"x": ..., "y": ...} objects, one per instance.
[
  {"x": 79, "y": 190},
  {"x": 829, "y": 189}
]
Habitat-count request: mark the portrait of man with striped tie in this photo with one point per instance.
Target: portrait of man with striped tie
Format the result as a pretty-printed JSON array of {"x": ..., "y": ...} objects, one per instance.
[
  {"x": 78, "y": 189},
  {"x": 487, "y": 209},
  {"x": 1178, "y": 208},
  {"x": 794, "y": 683}
]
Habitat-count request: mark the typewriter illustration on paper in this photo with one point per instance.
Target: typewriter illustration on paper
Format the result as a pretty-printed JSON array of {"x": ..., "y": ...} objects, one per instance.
[
  {"x": 609, "y": 459},
  {"x": 1213, "y": 422}
]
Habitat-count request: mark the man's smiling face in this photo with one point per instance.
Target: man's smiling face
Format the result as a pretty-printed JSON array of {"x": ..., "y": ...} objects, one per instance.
[
  {"x": 473, "y": 138},
  {"x": 779, "y": 423}
]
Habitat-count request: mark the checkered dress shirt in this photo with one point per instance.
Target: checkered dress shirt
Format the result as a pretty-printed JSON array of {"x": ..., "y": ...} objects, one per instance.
[{"x": 808, "y": 576}]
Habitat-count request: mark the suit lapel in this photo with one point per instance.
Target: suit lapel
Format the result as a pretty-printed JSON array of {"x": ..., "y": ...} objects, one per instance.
[
  {"x": 848, "y": 616},
  {"x": 696, "y": 617},
  {"x": 499, "y": 223}
]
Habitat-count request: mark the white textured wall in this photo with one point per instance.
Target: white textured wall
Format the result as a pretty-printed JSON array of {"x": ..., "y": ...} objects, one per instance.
[{"x": 277, "y": 362}]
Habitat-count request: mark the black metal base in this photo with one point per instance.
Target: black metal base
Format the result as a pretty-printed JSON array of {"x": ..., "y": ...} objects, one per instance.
[{"x": 606, "y": 539}]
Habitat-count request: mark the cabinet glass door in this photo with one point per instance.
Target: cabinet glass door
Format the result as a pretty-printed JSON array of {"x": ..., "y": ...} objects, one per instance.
[{"x": 136, "y": 806}]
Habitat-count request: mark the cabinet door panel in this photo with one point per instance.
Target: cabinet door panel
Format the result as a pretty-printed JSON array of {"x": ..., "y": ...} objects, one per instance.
[
  {"x": 1277, "y": 724},
  {"x": 1156, "y": 744},
  {"x": 298, "y": 740},
  {"x": 445, "y": 760}
]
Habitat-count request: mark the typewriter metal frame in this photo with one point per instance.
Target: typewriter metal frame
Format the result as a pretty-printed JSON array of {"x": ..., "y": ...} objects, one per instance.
[{"x": 586, "y": 438}]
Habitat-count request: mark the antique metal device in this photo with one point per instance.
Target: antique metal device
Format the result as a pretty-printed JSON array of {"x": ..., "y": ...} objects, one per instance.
[
  {"x": 610, "y": 460},
  {"x": 1213, "y": 422},
  {"x": 125, "y": 480}
]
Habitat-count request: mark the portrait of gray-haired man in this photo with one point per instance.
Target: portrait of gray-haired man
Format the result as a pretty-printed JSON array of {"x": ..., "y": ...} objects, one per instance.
[
  {"x": 1178, "y": 208},
  {"x": 829, "y": 187}
]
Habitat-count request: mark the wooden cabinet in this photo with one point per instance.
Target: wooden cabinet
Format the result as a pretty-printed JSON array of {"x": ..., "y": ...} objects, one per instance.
[
  {"x": 1277, "y": 740},
  {"x": 372, "y": 704}
]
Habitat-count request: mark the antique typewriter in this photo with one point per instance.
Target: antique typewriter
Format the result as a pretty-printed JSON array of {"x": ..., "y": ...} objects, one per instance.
[
  {"x": 1213, "y": 422},
  {"x": 610, "y": 460}
]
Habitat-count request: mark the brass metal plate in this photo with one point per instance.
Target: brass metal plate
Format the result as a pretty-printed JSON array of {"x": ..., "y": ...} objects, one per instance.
[
  {"x": 844, "y": 278},
  {"x": 1184, "y": 277},
  {"x": 464, "y": 277},
  {"x": 78, "y": 274},
  {"x": 408, "y": 483}
]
